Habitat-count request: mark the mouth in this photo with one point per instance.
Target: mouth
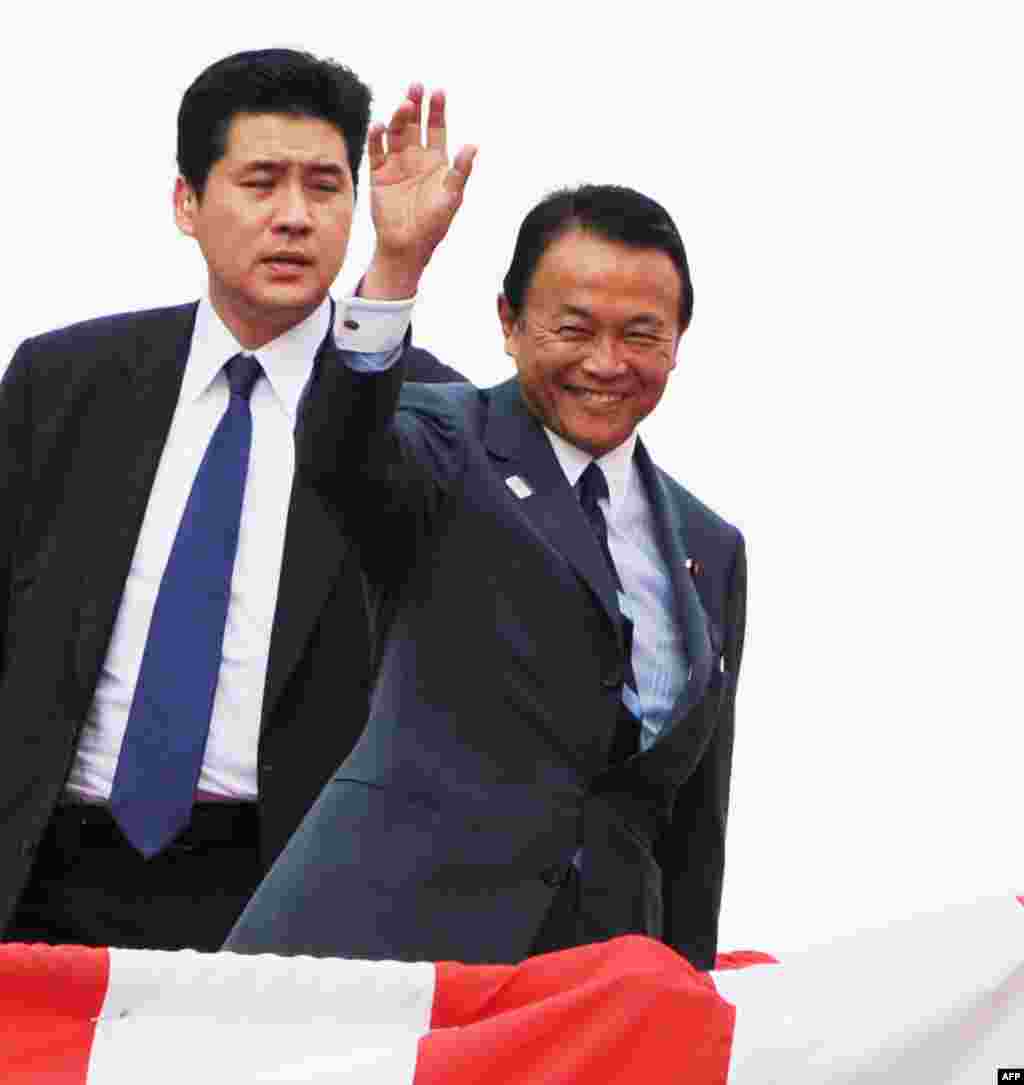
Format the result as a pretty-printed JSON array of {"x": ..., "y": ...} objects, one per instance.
[
  {"x": 287, "y": 260},
  {"x": 593, "y": 397}
]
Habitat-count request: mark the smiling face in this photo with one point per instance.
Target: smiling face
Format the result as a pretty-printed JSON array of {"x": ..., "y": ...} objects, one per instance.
[
  {"x": 273, "y": 221},
  {"x": 596, "y": 338}
]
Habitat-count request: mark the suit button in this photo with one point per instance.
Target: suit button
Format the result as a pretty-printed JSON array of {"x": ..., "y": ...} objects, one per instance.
[
  {"x": 553, "y": 876},
  {"x": 613, "y": 679},
  {"x": 28, "y": 848}
]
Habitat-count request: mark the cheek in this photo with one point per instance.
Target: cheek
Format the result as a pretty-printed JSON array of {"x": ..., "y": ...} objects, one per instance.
[
  {"x": 336, "y": 237},
  {"x": 652, "y": 389},
  {"x": 232, "y": 236},
  {"x": 546, "y": 378}
]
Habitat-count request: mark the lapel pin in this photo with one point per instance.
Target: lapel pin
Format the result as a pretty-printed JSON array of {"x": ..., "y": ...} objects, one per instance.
[
  {"x": 694, "y": 567},
  {"x": 519, "y": 486}
]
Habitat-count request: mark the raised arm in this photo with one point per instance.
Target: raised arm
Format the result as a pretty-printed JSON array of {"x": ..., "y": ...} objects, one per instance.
[{"x": 383, "y": 477}]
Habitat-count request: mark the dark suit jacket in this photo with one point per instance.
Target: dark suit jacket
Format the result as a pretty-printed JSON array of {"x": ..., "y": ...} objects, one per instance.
[
  {"x": 484, "y": 766},
  {"x": 84, "y": 413}
]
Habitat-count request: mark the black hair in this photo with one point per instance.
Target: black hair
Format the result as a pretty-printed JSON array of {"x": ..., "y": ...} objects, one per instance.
[
  {"x": 612, "y": 212},
  {"x": 268, "y": 81}
]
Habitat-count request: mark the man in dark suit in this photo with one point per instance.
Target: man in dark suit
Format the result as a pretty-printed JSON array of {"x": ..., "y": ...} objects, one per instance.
[
  {"x": 184, "y": 655},
  {"x": 547, "y": 758}
]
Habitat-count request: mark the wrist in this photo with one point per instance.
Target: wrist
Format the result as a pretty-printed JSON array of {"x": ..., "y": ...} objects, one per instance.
[{"x": 392, "y": 276}]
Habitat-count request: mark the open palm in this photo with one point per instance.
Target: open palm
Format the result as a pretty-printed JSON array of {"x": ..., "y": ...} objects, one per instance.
[{"x": 414, "y": 192}]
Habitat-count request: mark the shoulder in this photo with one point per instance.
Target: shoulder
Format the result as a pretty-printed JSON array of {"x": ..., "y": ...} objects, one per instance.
[
  {"x": 421, "y": 365},
  {"x": 695, "y": 508},
  {"x": 100, "y": 329},
  {"x": 103, "y": 338},
  {"x": 455, "y": 398},
  {"x": 703, "y": 529}
]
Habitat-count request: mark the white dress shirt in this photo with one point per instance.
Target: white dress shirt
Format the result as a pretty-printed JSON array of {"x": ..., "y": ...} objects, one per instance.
[
  {"x": 229, "y": 763},
  {"x": 659, "y": 652}
]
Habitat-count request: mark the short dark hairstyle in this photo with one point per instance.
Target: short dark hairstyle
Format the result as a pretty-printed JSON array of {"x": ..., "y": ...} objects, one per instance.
[
  {"x": 267, "y": 81},
  {"x": 609, "y": 211}
]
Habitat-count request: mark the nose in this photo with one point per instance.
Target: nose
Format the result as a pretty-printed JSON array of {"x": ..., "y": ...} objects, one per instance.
[
  {"x": 291, "y": 214},
  {"x": 604, "y": 360}
]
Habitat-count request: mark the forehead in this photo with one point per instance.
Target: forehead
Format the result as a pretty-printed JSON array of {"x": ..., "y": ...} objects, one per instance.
[
  {"x": 581, "y": 269},
  {"x": 285, "y": 137}
]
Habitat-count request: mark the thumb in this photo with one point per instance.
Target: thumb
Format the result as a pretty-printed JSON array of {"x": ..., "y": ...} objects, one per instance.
[{"x": 456, "y": 178}]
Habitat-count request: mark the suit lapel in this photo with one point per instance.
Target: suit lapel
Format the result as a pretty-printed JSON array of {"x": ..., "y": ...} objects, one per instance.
[
  {"x": 313, "y": 552},
  {"x": 129, "y": 434},
  {"x": 669, "y": 519},
  {"x": 519, "y": 447}
]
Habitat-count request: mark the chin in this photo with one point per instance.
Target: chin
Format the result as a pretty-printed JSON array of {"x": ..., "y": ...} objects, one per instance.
[{"x": 288, "y": 300}]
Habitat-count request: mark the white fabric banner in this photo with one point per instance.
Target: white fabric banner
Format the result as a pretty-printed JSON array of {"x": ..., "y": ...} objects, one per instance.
[{"x": 935, "y": 998}]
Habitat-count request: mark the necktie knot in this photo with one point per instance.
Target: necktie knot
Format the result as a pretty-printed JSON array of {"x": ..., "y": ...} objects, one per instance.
[
  {"x": 593, "y": 485},
  {"x": 243, "y": 371}
]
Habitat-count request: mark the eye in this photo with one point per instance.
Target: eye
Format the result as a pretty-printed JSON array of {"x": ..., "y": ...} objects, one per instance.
[
  {"x": 258, "y": 182},
  {"x": 572, "y": 331}
]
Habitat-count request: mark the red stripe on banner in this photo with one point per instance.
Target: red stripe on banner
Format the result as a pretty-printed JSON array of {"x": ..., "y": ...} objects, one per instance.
[
  {"x": 50, "y": 997},
  {"x": 629, "y": 1010},
  {"x": 742, "y": 958}
]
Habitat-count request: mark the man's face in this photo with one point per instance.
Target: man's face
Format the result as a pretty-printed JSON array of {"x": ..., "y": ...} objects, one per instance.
[
  {"x": 273, "y": 222},
  {"x": 596, "y": 338}
]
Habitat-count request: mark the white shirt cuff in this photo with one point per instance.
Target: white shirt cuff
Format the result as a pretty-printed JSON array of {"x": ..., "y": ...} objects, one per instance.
[{"x": 369, "y": 326}]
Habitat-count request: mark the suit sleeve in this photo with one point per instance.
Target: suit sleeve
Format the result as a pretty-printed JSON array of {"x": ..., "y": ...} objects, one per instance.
[
  {"x": 14, "y": 468},
  {"x": 696, "y": 850},
  {"x": 384, "y": 473}
]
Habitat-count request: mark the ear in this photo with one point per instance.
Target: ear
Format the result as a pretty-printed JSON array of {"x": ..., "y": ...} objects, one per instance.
[
  {"x": 509, "y": 326},
  {"x": 675, "y": 350},
  {"x": 185, "y": 205}
]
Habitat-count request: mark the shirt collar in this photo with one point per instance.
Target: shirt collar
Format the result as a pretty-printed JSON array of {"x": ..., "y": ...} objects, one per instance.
[
  {"x": 617, "y": 465},
  {"x": 287, "y": 361}
]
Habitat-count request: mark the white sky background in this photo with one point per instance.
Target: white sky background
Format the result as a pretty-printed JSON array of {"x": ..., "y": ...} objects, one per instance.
[{"x": 848, "y": 181}]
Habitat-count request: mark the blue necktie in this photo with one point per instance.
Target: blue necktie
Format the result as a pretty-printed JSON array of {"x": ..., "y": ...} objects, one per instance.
[
  {"x": 162, "y": 752},
  {"x": 593, "y": 486}
]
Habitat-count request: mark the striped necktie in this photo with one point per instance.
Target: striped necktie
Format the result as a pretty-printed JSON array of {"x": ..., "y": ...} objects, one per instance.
[
  {"x": 169, "y": 721},
  {"x": 593, "y": 486}
]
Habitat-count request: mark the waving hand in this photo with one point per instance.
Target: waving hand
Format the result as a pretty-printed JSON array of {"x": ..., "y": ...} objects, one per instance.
[{"x": 415, "y": 193}]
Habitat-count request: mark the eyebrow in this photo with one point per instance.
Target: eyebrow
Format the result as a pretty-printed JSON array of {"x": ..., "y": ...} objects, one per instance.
[
  {"x": 649, "y": 319},
  {"x": 275, "y": 165}
]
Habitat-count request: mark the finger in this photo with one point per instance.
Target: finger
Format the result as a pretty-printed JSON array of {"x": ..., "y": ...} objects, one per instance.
[
  {"x": 456, "y": 178},
  {"x": 403, "y": 131},
  {"x": 375, "y": 146},
  {"x": 437, "y": 132},
  {"x": 415, "y": 95}
]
